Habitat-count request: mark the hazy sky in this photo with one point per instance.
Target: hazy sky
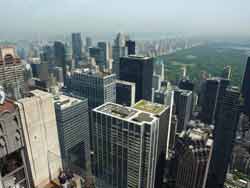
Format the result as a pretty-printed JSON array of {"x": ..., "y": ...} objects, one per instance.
[{"x": 184, "y": 16}]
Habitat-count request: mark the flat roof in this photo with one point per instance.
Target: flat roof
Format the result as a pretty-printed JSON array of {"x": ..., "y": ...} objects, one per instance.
[
  {"x": 65, "y": 101},
  {"x": 150, "y": 107},
  {"x": 126, "y": 113},
  {"x": 137, "y": 57},
  {"x": 91, "y": 71}
]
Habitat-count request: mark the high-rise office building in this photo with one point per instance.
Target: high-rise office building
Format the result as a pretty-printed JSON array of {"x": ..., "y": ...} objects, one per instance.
[
  {"x": 13, "y": 161},
  {"x": 131, "y": 47},
  {"x": 125, "y": 93},
  {"x": 245, "y": 90},
  {"x": 213, "y": 92},
  {"x": 119, "y": 50},
  {"x": 88, "y": 44},
  {"x": 38, "y": 121},
  {"x": 224, "y": 136},
  {"x": 73, "y": 128},
  {"x": 11, "y": 73},
  {"x": 139, "y": 70},
  {"x": 129, "y": 143},
  {"x": 77, "y": 46},
  {"x": 227, "y": 72},
  {"x": 193, "y": 155},
  {"x": 159, "y": 69},
  {"x": 156, "y": 82},
  {"x": 60, "y": 57},
  {"x": 183, "y": 101},
  {"x": 97, "y": 86},
  {"x": 104, "y": 53}
]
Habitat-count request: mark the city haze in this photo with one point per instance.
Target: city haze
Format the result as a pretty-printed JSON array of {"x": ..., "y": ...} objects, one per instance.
[{"x": 213, "y": 17}]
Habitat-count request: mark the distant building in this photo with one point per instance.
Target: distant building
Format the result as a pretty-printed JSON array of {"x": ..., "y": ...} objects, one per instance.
[
  {"x": 245, "y": 90},
  {"x": 214, "y": 89},
  {"x": 104, "y": 53},
  {"x": 139, "y": 70},
  {"x": 77, "y": 46},
  {"x": 100, "y": 54},
  {"x": 73, "y": 128},
  {"x": 224, "y": 137},
  {"x": 119, "y": 50},
  {"x": 60, "y": 57},
  {"x": 183, "y": 101},
  {"x": 135, "y": 140},
  {"x": 193, "y": 155},
  {"x": 131, "y": 47},
  {"x": 226, "y": 73},
  {"x": 13, "y": 161},
  {"x": 38, "y": 121},
  {"x": 125, "y": 93},
  {"x": 159, "y": 70},
  {"x": 11, "y": 73},
  {"x": 88, "y": 44}
]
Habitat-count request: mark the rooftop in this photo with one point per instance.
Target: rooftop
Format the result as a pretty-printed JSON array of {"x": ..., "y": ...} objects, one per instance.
[
  {"x": 125, "y": 82},
  {"x": 150, "y": 107},
  {"x": 126, "y": 113},
  {"x": 138, "y": 57},
  {"x": 92, "y": 71},
  {"x": 65, "y": 101}
]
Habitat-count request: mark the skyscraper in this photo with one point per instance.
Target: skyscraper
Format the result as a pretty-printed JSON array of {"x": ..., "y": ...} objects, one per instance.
[
  {"x": 60, "y": 57},
  {"x": 131, "y": 47},
  {"x": 139, "y": 70},
  {"x": 127, "y": 144},
  {"x": 73, "y": 128},
  {"x": 224, "y": 136},
  {"x": 13, "y": 161},
  {"x": 104, "y": 53},
  {"x": 193, "y": 155},
  {"x": 245, "y": 90},
  {"x": 186, "y": 84},
  {"x": 88, "y": 44},
  {"x": 119, "y": 50},
  {"x": 11, "y": 73},
  {"x": 38, "y": 121},
  {"x": 213, "y": 92},
  {"x": 163, "y": 96},
  {"x": 125, "y": 93},
  {"x": 97, "y": 86},
  {"x": 183, "y": 101},
  {"x": 77, "y": 46}
]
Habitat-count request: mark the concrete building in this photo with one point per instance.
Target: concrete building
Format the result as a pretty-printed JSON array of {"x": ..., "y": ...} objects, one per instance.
[
  {"x": 125, "y": 93},
  {"x": 13, "y": 161},
  {"x": 139, "y": 70},
  {"x": 73, "y": 128},
  {"x": 156, "y": 82},
  {"x": 193, "y": 155},
  {"x": 11, "y": 73},
  {"x": 129, "y": 143},
  {"x": 38, "y": 121}
]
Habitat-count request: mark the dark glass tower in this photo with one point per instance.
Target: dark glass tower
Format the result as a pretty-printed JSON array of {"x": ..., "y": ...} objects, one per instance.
[
  {"x": 213, "y": 91},
  {"x": 139, "y": 70},
  {"x": 60, "y": 57},
  {"x": 77, "y": 46},
  {"x": 131, "y": 47},
  {"x": 246, "y": 87},
  {"x": 224, "y": 135}
]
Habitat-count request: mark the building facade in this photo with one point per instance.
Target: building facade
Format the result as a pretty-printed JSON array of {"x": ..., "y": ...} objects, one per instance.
[
  {"x": 73, "y": 128},
  {"x": 38, "y": 121},
  {"x": 11, "y": 73},
  {"x": 125, "y": 93},
  {"x": 139, "y": 70},
  {"x": 13, "y": 161},
  {"x": 126, "y": 145}
]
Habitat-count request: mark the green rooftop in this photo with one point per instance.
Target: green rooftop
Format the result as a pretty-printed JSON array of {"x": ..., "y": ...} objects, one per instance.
[{"x": 150, "y": 107}]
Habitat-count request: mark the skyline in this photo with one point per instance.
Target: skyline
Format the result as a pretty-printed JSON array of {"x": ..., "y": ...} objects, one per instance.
[{"x": 226, "y": 17}]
